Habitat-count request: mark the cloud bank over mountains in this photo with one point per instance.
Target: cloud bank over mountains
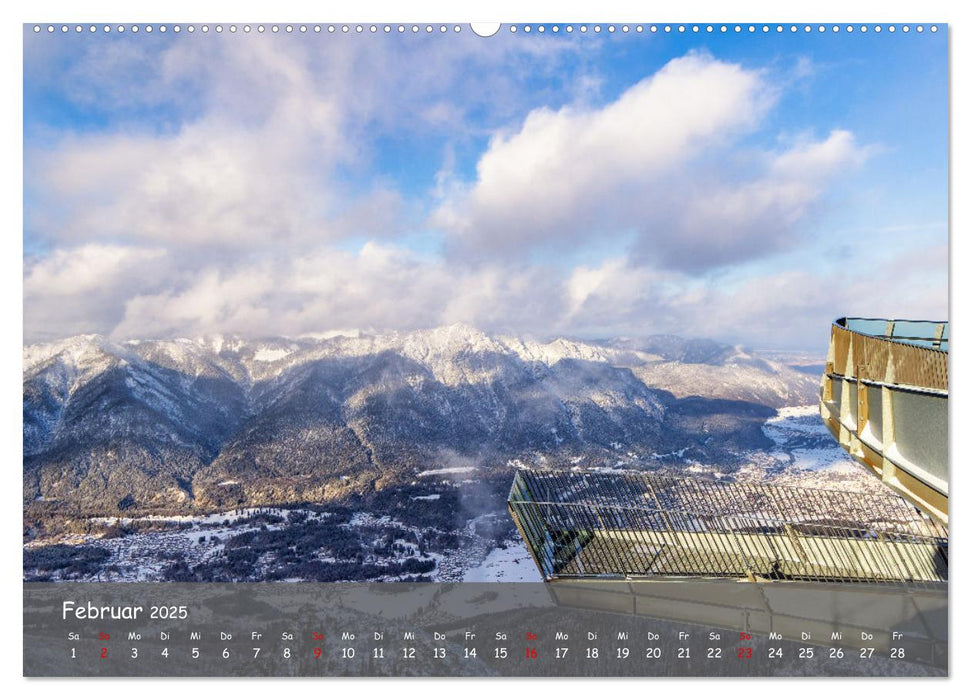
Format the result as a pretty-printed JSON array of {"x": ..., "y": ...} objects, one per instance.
[{"x": 283, "y": 186}]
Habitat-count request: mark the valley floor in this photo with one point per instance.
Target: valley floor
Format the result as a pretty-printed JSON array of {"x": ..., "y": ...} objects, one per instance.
[{"x": 328, "y": 543}]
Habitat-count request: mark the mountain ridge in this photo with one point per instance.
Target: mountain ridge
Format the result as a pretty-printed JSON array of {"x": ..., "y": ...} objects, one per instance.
[{"x": 224, "y": 421}]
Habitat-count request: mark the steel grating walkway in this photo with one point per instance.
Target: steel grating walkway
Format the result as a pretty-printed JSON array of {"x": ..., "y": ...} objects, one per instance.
[{"x": 636, "y": 524}]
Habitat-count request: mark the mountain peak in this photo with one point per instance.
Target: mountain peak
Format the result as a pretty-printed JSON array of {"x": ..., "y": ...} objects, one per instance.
[{"x": 74, "y": 350}]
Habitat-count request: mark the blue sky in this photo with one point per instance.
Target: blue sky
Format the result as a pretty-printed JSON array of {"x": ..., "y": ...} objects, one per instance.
[{"x": 747, "y": 187}]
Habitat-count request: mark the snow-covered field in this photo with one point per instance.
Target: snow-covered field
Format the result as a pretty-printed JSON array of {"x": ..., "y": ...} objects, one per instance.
[
  {"x": 143, "y": 556},
  {"x": 195, "y": 540},
  {"x": 804, "y": 454},
  {"x": 447, "y": 470},
  {"x": 803, "y": 441},
  {"x": 229, "y": 517},
  {"x": 512, "y": 564}
]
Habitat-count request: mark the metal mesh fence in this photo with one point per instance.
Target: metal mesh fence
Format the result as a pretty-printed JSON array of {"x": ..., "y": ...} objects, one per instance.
[
  {"x": 636, "y": 524},
  {"x": 886, "y": 359}
]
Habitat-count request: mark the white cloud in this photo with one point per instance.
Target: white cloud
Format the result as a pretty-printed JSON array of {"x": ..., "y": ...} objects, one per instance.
[
  {"x": 662, "y": 161},
  {"x": 243, "y": 142},
  {"x": 84, "y": 289},
  {"x": 235, "y": 217},
  {"x": 715, "y": 219},
  {"x": 241, "y": 163},
  {"x": 87, "y": 269},
  {"x": 381, "y": 286},
  {"x": 254, "y": 168},
  {"x": 757, "y": 309},
  {"x": 139, "y": 293}
]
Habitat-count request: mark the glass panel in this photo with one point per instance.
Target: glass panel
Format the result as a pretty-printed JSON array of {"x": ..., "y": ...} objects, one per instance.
[
  {"x": 867, "y": 325},
  {"x": 915, "y": 331}
]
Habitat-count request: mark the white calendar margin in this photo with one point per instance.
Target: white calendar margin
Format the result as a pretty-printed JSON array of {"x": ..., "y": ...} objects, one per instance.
[{"x": 11, "y": 258}]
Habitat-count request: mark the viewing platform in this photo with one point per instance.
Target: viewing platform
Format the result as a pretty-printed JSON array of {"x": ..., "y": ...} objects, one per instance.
[
  {"x": 635, "y": 525},
  {"x": 884, "y": 398}
]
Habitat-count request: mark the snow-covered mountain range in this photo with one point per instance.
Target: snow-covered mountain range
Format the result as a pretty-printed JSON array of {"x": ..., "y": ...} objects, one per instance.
[{"x": 215, "y": 422}]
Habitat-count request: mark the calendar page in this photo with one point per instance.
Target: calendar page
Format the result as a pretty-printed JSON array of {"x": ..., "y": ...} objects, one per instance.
[{"x": 557, "y": 349}]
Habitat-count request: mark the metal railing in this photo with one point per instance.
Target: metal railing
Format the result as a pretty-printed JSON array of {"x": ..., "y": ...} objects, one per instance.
[
  {"x": 636, "y": 524},
  {"x": 917, "y": 362}
]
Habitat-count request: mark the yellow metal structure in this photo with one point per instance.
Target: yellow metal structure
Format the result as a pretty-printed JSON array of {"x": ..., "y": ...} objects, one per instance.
[{"x": 884, "y": 397}]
